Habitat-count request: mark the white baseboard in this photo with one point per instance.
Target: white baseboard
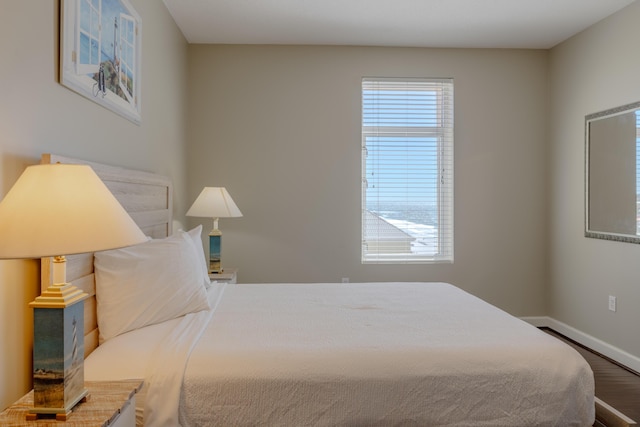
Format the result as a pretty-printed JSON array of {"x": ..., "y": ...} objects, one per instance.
[
  {"x": 610, "y": 416},
  {"x": 612, "y": 352}
]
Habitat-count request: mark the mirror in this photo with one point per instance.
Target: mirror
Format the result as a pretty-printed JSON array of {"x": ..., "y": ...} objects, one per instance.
[{"x": 612, "y": 174}]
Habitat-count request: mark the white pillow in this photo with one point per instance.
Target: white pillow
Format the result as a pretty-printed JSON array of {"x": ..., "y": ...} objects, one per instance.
[
  {"x": 195, "y": 234},
  {"x": 148, "y": 283}
]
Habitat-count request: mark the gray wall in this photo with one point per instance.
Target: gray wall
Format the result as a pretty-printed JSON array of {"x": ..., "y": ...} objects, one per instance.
[
  {"x": 279, "y": 126},
  {"x": 595, "y": 70},
  {"x": 38, "y": 115}
]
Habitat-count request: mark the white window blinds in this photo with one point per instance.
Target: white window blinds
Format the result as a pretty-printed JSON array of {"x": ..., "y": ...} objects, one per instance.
[{"x": 407, "y": 170}]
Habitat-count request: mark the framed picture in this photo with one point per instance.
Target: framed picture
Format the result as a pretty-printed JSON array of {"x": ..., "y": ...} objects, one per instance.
[{"x": 100, "y": 51}]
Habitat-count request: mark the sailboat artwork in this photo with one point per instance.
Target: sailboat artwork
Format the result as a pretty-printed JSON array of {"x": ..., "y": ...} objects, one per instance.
[{"x": 101, "y": 53}]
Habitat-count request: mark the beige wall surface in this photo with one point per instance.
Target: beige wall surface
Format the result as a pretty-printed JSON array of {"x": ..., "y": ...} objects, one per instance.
[
  {"x": 39, "y": 115},
  {"x": 594, "y": 71},
  {"x": 279, "y": 126}
]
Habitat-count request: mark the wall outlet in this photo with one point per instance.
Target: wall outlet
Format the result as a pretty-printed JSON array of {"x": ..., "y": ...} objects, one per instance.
[
  {"x": 612, "y": 303},
  {"x": 345, "y": 280}
]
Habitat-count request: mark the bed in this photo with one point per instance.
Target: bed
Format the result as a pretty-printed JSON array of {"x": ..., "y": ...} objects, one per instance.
[{"x": 321, "y": 354}]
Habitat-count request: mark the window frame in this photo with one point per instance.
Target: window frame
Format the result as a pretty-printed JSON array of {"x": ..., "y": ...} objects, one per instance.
[
  {"x": 127, "y": 40},
  {"x": 93, "y": 35},
  {"x": 443, "y": 133}
]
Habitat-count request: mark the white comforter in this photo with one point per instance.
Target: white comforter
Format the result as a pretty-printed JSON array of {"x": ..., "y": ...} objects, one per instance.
[{"x": 374, "y": 354}]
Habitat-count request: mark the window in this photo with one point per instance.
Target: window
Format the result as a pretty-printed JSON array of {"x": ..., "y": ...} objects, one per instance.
[
  {"x": 90, "y": 37},
  {"x": 126, "y": 76},
  {"x": 407, "y": 170}
]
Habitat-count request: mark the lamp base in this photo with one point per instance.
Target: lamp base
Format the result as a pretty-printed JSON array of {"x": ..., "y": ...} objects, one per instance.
[
  {"x": 58, "y": 350},
  {"x": 60, "y": 413},
  {"x": 215, "y": 246}
]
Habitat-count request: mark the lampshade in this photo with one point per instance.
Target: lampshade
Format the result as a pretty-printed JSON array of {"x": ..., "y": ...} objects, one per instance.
[
  {"x": 62, "y": 209},
  {"x": 214, "y": 202}
]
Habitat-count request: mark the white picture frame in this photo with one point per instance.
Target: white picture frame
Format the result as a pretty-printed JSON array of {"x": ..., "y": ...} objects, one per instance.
[{"x": 100, "y": 53}]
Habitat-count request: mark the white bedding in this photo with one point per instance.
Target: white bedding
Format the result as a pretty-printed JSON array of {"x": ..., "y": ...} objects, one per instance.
[{"x": 369, "y": 354}]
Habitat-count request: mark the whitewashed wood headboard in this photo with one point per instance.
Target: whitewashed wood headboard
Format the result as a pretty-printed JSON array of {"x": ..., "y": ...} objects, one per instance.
[{"x": 147, "y": 197}]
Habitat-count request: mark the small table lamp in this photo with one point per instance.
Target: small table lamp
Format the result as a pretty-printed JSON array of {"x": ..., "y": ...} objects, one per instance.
[
  {"x": 214, "y": 202},
  {"x": 57, "y": 210}
]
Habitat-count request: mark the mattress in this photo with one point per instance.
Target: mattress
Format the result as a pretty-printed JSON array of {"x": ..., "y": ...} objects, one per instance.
[{"x": 351, "y": 354}]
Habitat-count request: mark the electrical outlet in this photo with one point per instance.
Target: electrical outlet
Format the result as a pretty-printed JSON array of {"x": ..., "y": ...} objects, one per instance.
[
  {"x": 345, "y": 280},
  {"x": 612, "y": 303}
]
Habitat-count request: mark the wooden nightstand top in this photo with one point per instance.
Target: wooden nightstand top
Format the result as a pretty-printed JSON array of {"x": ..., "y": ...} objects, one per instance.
[
  {"x": 228, "y": 275},
  {"x": 105, "y": 401}
]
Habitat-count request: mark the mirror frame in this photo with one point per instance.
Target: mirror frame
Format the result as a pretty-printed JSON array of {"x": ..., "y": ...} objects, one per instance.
[{"x": 627, "y": 238}]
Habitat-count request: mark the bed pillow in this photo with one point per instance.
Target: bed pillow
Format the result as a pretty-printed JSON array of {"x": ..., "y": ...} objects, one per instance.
[
  {"x": 195, "y": 235},
  {"x": 148, "y": 283}
]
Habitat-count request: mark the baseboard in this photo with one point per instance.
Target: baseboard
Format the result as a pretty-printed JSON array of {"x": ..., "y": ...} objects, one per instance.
[
  {"x": 609, "y": 416},
  {"x": 612, "y": 352}
]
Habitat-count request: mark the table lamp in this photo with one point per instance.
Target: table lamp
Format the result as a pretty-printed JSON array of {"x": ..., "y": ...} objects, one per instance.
[
  {"x": 57, "y": 210},
  {"x": 214, "y": 202}
]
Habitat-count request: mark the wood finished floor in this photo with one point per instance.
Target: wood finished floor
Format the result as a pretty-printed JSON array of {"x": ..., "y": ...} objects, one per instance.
[{"x": 615, "y": 385}]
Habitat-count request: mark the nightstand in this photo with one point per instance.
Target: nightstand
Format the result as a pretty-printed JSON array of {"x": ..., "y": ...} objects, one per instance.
[
  {"x": 228, "y": 275},
  {"x": 109, "y": 403}
]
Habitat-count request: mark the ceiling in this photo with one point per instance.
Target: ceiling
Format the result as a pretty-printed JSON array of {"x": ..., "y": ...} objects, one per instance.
[{"x": 535, "y": 24}]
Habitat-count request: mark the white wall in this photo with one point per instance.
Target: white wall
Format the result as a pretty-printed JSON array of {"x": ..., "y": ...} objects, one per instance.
[
  {"x": 595, "y": 70},
  {"x": 279, "y": 126},
  {"x": 38, "y": 115}
]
